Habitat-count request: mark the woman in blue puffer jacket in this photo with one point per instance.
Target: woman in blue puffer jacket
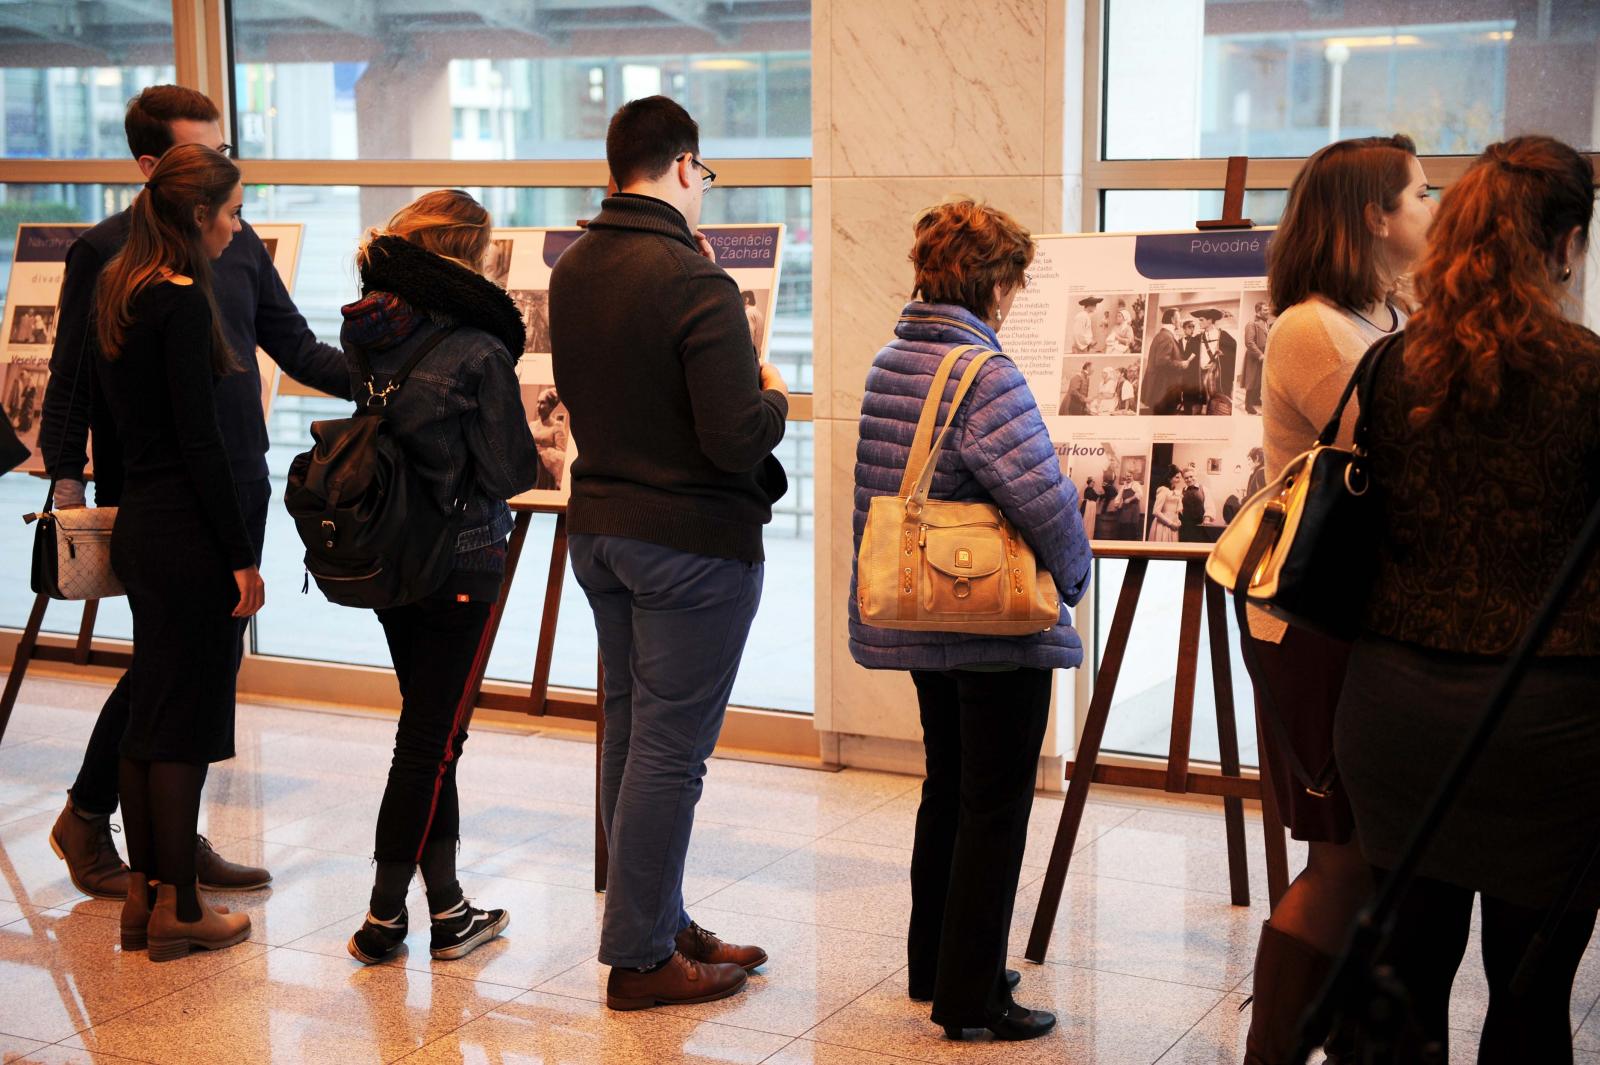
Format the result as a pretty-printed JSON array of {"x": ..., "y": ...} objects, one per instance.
[{"x": 984, "y": 700}]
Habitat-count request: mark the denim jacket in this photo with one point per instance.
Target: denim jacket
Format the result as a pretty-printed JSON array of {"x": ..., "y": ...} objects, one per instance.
[
  {"x": 999, "y": 451},
  {"x": 462, "y": 403}
]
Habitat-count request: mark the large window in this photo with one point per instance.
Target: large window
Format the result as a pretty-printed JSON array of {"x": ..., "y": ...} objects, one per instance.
[
  {"x": 509, "y": 100},
  {"x": 1186, "y": 82},
  {"x": 1284, "y": 77},
  {"x": 67, "y": 69},
  {"x": 433, "y": 80}
]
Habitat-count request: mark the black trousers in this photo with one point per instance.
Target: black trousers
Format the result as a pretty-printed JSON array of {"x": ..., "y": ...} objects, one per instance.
[
  {"x": 982, "y": 733},
  {"x": 435, "y": 644},
  {"x": 1429, "y": 941},
  {"x": 95, "y": 790}
]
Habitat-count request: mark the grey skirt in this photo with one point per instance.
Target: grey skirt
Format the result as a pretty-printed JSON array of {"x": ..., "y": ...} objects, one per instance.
[{"x": 1531, "y": 807}]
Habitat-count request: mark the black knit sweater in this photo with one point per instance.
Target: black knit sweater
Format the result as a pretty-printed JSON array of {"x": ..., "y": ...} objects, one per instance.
[{"x": 654, "y": 362}]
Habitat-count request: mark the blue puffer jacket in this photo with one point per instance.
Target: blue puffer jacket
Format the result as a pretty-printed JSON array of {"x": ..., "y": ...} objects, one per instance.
[{"x": 998, "y": 451}]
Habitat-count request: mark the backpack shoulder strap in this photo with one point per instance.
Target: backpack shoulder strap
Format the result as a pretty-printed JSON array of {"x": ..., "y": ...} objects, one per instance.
[{"x": 379, "y": 397}]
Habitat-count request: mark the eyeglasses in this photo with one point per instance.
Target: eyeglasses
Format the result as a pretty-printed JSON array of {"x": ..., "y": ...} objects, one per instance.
[{"x": 710, "y": 174}]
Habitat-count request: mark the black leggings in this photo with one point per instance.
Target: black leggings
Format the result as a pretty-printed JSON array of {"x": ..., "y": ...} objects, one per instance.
[
  {"x": 435, "y": 643},
  {"x": 160, "y": 813},
  {"x": 1429, "y": 941}
]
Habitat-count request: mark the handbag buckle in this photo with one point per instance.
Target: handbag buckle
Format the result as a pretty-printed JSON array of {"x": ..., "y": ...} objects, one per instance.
[{"x": 963, "y": 587}]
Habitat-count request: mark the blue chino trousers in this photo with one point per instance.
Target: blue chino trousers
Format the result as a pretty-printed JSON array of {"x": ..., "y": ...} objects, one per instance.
[{"x": 672, "y": 628}]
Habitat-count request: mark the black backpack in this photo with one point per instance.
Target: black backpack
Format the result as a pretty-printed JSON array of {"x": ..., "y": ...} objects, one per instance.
[{"x": 374, "y": 535}]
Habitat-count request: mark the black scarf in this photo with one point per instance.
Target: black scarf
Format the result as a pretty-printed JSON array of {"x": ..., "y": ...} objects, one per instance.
[{"x": 433, "y": 283}]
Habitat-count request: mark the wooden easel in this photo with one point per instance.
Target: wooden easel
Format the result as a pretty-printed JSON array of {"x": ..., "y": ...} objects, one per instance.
[
  {"x": 537, "y": 703},
  {"x": 1177, "y": 778}
]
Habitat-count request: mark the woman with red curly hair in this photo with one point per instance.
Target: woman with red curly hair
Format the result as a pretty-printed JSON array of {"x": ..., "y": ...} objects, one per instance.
[{"x": 1485, "y": 448}]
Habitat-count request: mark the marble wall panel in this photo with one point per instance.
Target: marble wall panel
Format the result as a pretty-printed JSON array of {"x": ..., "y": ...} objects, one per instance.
[{"x": 938, "y": 87}]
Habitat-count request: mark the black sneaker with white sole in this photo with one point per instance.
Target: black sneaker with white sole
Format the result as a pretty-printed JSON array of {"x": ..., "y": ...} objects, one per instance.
[
  {"x": 375, "y": 940},
  {"x": 463, "y": 928}
]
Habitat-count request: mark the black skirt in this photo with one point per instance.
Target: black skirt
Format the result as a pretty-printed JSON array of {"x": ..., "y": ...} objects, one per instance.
[
  {"x": 1527, "y": 813},
  {"x": 185, "y": 640}
]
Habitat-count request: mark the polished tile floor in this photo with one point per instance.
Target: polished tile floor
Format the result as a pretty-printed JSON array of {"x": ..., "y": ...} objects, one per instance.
[{"x": 1150, "y": 962}]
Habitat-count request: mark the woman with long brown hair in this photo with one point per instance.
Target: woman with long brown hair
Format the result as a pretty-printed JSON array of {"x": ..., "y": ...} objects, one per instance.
[
  {"x": 460, "y": 419},
  {"x": 180, "y": 545},
  {"x": 1485, "y": 446},
  {"x": 1356, "y": 221}
]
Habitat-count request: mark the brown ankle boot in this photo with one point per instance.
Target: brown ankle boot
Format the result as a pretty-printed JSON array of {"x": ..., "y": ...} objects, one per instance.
[
  {"x": 136, "y": 914},
  {"x": 1289, "y": 973},
  {"x": 83, "y": 841},
  {"x": 677, "y": 982},
  {"x": 171, "y": 938}
]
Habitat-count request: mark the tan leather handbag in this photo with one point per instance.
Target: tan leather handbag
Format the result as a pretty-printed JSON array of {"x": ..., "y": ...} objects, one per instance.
[{"x": 938, "y": 566}]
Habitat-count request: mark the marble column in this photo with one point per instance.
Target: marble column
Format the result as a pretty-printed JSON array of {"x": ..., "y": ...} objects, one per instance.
[{"x": 913, "y": 103}]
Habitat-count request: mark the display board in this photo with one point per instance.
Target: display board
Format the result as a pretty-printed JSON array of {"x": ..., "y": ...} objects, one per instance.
[
  {"x": 28, "y": 330},
  {"x": 1145, "y": 353},
  {"x": 282, "y": 240},
  {"x": 520, "y": 260}
]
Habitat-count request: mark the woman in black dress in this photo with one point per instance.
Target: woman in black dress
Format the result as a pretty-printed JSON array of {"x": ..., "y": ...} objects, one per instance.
[{"x": 179, "y": 544}]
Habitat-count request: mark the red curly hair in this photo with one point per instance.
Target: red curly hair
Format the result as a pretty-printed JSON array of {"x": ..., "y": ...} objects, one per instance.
[
  {"x": 1488, "y": 300},
  {"x": 964, "y": 249}
]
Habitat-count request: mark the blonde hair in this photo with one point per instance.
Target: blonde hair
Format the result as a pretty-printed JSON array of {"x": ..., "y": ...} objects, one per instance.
[{"x": 447, "y": 222}]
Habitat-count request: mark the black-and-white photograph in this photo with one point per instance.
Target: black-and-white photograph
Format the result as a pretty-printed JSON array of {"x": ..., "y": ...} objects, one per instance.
[
  {"x": 33, "y": 325},
  {"x": 1099, "y": 384},
  {"x": 1256, "y": 329},
  {"x": 1109, "y": 324},
  {"x": 22, "y": 398},
  {"x": 1199, "y": 486},
  {"x": 1111, "y": 478},
  {"x": 756, "y": 308},
  {"x": 535, "y": 307},
  {"x": 497, "y": 261},
  {"x": 547, "y": 421},
  {"x": 1193, "y": 361}
]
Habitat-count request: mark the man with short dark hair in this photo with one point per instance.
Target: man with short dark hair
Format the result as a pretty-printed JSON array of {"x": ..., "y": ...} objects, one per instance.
[
  {"x": 255, "y": 310},
  {"x": 675, "y": 421}
]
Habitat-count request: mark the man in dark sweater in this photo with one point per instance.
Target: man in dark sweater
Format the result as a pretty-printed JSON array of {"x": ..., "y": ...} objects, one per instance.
[
  {"x": 255, "y": 309},
  {"x": 675, "y": 421}
]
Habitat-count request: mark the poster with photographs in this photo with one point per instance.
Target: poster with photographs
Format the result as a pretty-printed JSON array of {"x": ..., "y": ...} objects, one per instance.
[
  {"x": 520, "y": 261},
  {"x": 28, "y": 330},
  {"x": 1166, "y": 334},
  {"x": 282, "y": 241}
]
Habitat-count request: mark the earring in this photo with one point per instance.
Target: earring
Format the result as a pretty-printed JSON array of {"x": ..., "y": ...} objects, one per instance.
[{"x": 1566, "y": 274}]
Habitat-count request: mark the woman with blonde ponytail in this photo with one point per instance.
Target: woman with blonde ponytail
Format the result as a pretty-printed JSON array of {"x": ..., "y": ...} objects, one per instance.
[
  {"x": 180, "y": 543},
  {"x": 460, "y": 418},
  {"x": 1485, "y": 446}
]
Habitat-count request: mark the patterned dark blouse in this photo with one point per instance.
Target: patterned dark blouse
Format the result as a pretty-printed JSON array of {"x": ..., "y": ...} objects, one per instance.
[{"x": 1481, "y": 510}]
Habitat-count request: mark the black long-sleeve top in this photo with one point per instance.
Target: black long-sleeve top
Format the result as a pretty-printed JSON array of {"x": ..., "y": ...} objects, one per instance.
[
  {"x": 158, "y": 391},
  {"x": 256, "y": 310}
]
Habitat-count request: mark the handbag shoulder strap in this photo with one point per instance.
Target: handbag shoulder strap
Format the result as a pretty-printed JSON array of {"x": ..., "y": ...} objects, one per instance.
[
  {"x": 924, "y": 482},
  {"x": 930, "y": 413},
  {"x": 1361, "y": 380}
]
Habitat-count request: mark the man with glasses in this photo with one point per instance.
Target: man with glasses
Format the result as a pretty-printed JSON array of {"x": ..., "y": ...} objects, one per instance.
[
  {"x": 255, "y": 310},
  {"x": 675, "y": 422}
]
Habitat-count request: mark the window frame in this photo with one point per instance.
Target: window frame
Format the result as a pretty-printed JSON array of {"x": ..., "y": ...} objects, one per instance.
[{"x": 203, "y": 49}]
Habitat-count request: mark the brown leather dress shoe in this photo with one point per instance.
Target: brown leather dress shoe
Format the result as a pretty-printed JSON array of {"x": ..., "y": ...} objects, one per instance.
[
  {"x": 680, "y": 981},
  {"x": 171, "y": 938},
  {"x": 697, "y": 944},
  {"x": 216, "y": 873},
  {"x": 83, "y": 841}
]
